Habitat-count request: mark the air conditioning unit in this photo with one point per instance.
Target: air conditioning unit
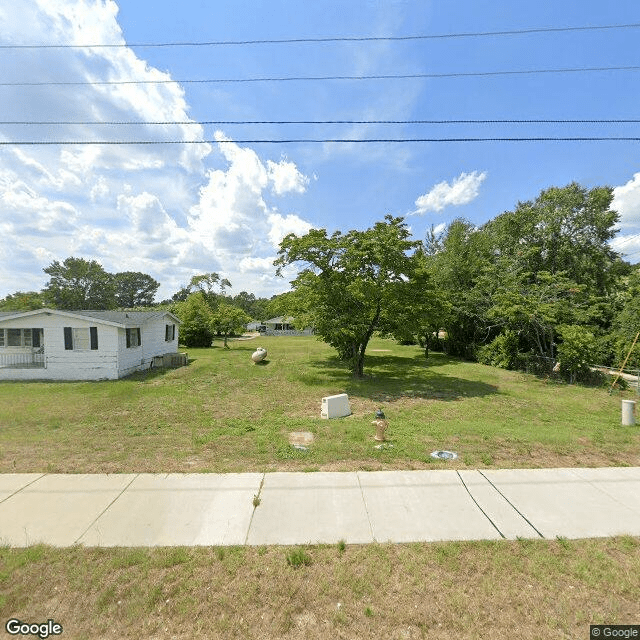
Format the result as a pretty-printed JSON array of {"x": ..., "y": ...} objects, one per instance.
[
  {"x": 335, "y": 406},
  {"x": 157, "y": 362},
  {"x": 175, "y": 359},
  {"x": 170, "y": 360}
]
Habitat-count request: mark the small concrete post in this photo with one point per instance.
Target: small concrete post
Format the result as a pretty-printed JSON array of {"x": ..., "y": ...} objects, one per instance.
[{"x": 628, "y": 412}]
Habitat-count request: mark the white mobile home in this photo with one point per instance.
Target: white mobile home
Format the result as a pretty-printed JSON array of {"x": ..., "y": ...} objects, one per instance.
[
  {"x": 48, "y": 344},
  {"x": 283, "y": 326}
]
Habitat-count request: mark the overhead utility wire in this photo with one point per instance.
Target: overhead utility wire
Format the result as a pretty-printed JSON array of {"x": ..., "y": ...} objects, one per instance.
[
  {"x": 244, "y": 122},
  {"x": 316, "y": 141},
  {"x": 218, "y": 43},
  {"x": 628, "y": 239},
  {"x": 402, "y": 76}
]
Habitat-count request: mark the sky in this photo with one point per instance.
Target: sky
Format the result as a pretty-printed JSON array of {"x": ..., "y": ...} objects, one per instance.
[{"x": 210, "y": 202}]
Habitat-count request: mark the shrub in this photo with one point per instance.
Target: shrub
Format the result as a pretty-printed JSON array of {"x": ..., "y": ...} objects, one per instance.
[
  {"x": 576, "y": 352},
  {"x": 501, "y": 352},
  {"x": 196, "y": 317}
]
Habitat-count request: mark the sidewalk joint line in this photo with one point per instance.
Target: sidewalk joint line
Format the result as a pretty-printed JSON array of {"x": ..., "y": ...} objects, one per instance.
[
  {"x": 24, "y": 487},
  {"x": 513, "y": 506},
  {"x": 246, "y": 538},
  {"x": 484, "y": 513},
  {"x": 137, "y": 475},
  {"x": 364, "y": 502}
]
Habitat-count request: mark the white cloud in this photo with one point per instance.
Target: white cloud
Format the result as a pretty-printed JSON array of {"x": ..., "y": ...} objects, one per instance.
[
  {"x": 282, "y": 226},
  {"x": 461, "y": 191},
  {"x": 168, "y": 210},
  {"x": 256, "y": 265},
  {"x": 286, "y": 177},
  {"x": 232, "y": 214},
  {"x": 626, "y": 201}
]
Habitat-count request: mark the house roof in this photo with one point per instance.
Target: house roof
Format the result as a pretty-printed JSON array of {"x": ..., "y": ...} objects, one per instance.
[
  {"x": 118, "y": 318},
  {"x": 279, "y": 320}
]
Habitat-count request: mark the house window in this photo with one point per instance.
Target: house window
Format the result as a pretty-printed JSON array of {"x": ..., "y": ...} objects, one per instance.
[
  {"x": 134, "y": 338},
  {"x": 20, "y": 337},
  {"x": 80, "y": 339},
  {"x": 169, "y": 332}
]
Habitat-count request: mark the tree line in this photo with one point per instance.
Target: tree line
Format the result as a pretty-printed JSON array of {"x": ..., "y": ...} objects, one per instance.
[
  {"x": 204, "y": 306},
  {"x": 531, "y": 288}
]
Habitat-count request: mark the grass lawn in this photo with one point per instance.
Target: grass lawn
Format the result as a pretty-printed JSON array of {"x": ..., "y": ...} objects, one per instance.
[
  {"x": 223, "y": 413},
  {"x": 523, "y": 589}
]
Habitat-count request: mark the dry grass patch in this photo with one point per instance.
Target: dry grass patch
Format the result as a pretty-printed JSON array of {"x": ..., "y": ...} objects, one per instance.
[{"x": 528, "y": 589}]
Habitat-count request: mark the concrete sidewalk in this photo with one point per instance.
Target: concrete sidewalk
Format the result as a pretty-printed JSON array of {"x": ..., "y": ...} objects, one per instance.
[{"x": 307, "y": 508}]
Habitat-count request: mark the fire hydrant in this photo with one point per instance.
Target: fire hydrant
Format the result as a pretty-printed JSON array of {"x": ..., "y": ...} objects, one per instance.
[{"x": 381, "y": 425}]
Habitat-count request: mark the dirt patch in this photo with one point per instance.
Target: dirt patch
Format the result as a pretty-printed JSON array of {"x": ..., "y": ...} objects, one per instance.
[{"x": 301, "y": 438}]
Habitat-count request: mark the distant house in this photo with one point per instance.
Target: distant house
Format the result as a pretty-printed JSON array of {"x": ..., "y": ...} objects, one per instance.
[
  {"x": 83, "y": 345},
  {"x": 283, "y": 326}
]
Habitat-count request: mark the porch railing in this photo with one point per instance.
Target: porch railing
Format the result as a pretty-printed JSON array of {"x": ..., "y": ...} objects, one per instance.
[{"x": 22, "y": 360}]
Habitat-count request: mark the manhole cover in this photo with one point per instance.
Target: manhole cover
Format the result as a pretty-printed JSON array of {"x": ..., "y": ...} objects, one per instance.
[{"x": 444, "y": 455}]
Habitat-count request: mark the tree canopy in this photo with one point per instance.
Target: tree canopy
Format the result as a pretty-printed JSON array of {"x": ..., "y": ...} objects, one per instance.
[
  {"x": 521, "y": 279},
  {"x": 77, "y": 283},
  {"x": 350, "y": 283},
  {"x": 134, "y": 289}
]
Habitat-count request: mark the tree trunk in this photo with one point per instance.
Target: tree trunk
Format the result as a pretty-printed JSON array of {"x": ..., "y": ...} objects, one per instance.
[{"x": 358, "y": 365}]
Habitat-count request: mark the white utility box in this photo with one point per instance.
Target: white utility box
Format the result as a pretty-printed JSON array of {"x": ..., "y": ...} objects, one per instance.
[{"x": 335, "y": 406}]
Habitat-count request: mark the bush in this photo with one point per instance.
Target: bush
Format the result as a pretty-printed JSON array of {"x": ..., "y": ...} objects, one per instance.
[
  {"x": 196, "y": 337},
  {"x": 196, "y": 317},
  {"x": 576, "y": 352},
  {"x": 605, "y": 351},
  {"x": 501, "y": 352},
  {"x": 622, "y": 346}
]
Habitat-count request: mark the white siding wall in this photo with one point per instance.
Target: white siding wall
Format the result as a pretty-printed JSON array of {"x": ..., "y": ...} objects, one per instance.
[
  {"x": 61, "y": 364},
  {"x": 153, "y": 344}
]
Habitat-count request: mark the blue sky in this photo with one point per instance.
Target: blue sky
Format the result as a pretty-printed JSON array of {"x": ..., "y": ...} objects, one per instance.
[{"x": 176, "y": 210}]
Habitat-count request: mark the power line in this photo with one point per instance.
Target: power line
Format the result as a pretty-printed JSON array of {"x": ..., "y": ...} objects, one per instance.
[
  {"x": 218, "y": 43},
  {"x": 316, "y": 122},
  {"x": 402, "y": 76},
  {"x": 628, "y": 239},
  {"x": 317, "y": 141}
]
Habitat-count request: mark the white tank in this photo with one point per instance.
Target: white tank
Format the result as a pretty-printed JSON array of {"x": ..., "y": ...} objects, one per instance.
[{"x": 259, "y": 354}]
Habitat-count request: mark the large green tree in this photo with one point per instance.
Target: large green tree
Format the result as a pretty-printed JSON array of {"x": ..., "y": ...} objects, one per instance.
[
  {"x": 252, "y": 306},
  {"x": 349, "y": 283},
  {"x": 526, "y": 272},
  {"x": 564, "y": 230},
  {"x": 228, "y": 319},
  {"x": 196, "y": 319},
  {"x": 206, "y": 283},
  {"x": 77, "y": 283},
  {"x": 135, "y": 289},
  {"x": 456, "y": 262},
  {"x": 22, "y": 301}
]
